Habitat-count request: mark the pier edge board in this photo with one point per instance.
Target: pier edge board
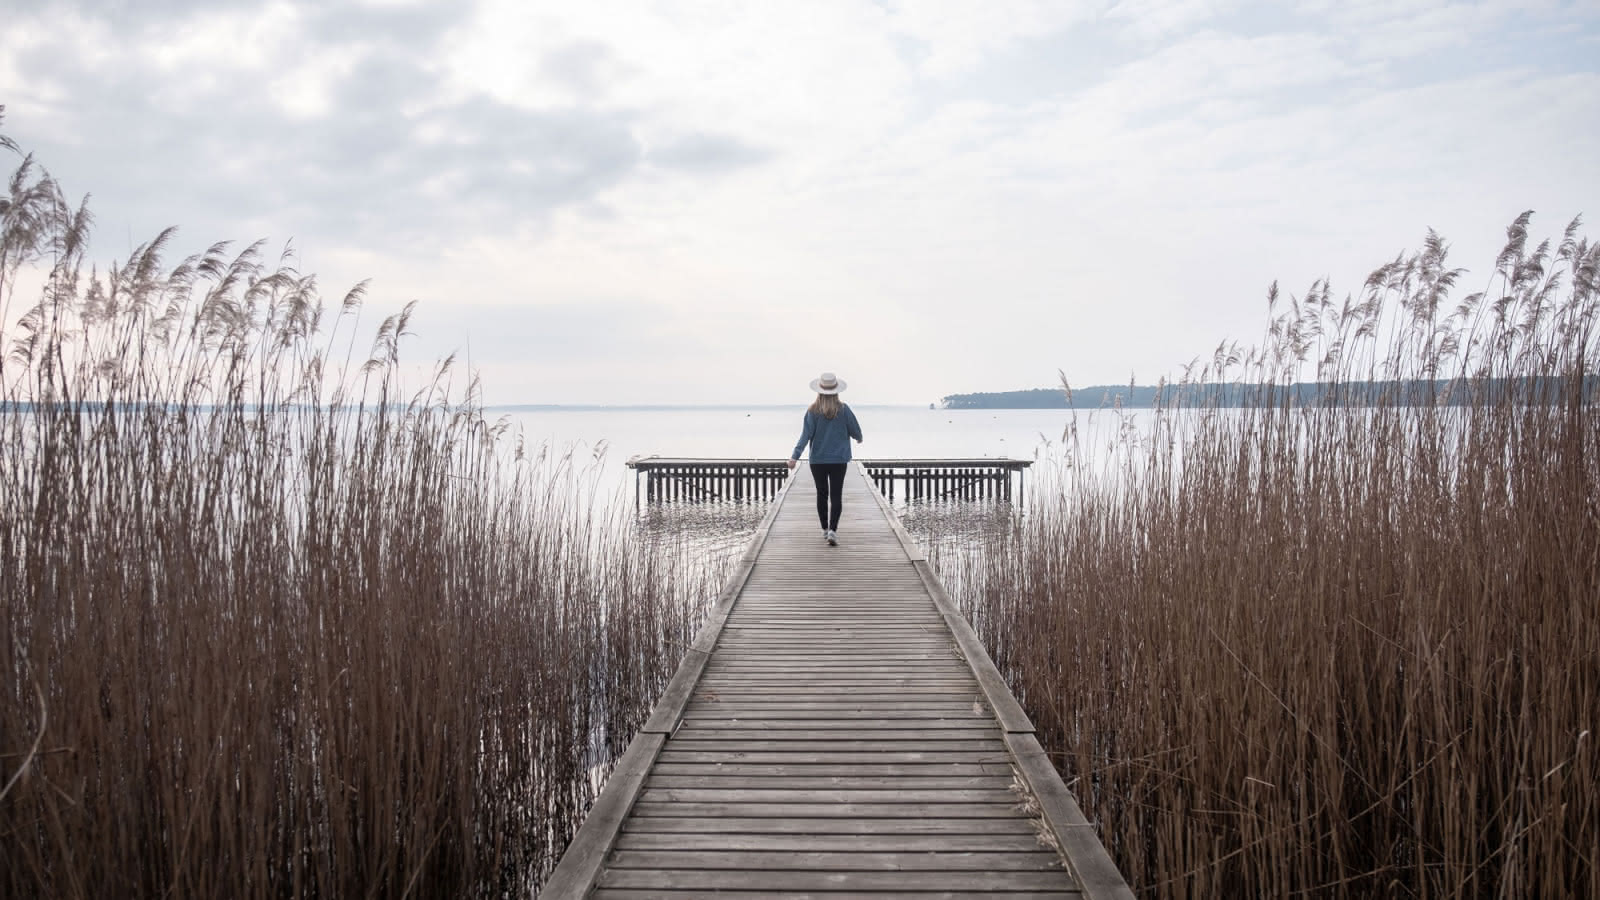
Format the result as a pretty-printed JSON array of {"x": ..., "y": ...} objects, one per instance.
[
  {"x": 578, "y": 869},
  {"x": 1086, "y": 857}
]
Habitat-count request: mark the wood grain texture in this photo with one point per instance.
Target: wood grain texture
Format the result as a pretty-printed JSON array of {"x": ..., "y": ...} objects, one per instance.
[{"x": 834, "y": 738}]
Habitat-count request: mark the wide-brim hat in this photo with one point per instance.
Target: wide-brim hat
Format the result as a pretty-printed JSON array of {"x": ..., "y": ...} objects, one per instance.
[{"x": 827, "y": 383}]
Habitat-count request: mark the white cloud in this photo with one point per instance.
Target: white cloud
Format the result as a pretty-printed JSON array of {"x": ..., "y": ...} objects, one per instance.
[
  {"x": 955, "y": 37},
  {"x": 1155, "y": 19},
  {"x": 304, "y": 88},
  {"x": 217, "y": 43}
]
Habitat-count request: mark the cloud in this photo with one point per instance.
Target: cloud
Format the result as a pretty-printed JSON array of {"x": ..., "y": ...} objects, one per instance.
[
  {"x": 703, "y": 153},
  {"x": 956, "y": 37},
  {"x": 1158, "y": 19},
  {"x": 585, "y": 68},
  {"x": 340, "y": 122},
  {"x": 235, "y": 119}
]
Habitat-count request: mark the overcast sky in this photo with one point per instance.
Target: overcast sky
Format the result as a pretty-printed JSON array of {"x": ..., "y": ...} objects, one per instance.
[{"x": 664, "y": 202}]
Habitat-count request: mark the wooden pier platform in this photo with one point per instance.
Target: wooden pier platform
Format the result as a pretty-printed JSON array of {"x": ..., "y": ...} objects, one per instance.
[
  {"x": 679, "y": 480},
  {"x": 836, "y": 731}
]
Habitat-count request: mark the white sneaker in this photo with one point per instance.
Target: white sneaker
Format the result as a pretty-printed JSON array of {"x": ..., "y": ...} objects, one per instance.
[{"x": 833, "y": 539}]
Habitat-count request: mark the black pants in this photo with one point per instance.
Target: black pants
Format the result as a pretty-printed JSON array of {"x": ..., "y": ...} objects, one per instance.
[{"x": 830, "y": 488}]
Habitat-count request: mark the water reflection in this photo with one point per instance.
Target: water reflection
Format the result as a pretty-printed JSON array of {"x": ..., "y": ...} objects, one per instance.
[
  {"x": 713, "y": 531},
  {"x": 714, "y": 534},
  {"x": 948, "y": 524}
]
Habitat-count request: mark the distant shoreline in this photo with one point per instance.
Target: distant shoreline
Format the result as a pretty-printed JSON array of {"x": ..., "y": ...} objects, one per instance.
[{"x": 1451, "y": 392}]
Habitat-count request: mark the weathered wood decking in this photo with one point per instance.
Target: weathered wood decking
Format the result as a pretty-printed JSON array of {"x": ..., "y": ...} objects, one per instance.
[{"x": 836, "y": 731}]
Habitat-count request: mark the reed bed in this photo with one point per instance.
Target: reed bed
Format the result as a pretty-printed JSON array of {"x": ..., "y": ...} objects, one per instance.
[
  {"x": 1336, "y": 647},
  {"x": 274, "y": 627}
]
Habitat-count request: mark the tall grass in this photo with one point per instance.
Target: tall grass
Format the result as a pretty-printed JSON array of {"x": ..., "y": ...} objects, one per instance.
[
  {"x": 274, "y": 628},
  {"x": 1319, "y": 649}
]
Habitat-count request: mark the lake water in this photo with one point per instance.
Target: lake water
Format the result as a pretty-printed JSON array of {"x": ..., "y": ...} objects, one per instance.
[
  {"x": 603, "y": 439},
  {"x": 611, "y": 435}
]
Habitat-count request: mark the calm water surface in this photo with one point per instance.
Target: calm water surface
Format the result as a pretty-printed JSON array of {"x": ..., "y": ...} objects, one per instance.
[
  {"x": 605, "y": 438},
  {"x": 615, "y": 434}
]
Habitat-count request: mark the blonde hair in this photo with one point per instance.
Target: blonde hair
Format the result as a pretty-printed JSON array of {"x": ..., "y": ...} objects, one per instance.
[{"x": 826, "y": 405}]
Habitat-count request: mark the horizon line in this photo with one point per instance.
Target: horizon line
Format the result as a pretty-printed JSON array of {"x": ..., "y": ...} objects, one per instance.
[{"x": 627, "y": 405}]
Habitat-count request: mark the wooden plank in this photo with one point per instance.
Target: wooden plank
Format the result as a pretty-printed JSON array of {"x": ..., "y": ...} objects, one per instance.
[
  {"x": 911, "y": 635},
  {"x": 775, "y": 686},
  {"x": 959, "y": 704},
  {"x": 824, "y": 795},
  {"x": 756, "y": 680},
  {"x": 834, "y": 682},
  {"x": 998, "y": 767},
  {"x": 711, "y": 713},
  {"x": 838, "y": 782},
  {"x": 762, "y": 687},
  {"x": 800, "y": 661},
  {"x": 818, "y": 664},
  {"x": 905, "y": 752},
  {"x": 828, "y": 795},
  {"x": 954, "y": 705},
  {"x": 1030, "y": 860},
  {"x": 814, "y": 693},
  {"x": 755, "y": 674},
  {"x": 830, "y": 746},
  {"x": 822, "y": 668},
  {"x": 831, "y": 826},
  {"x": 696, "y": 894},
  {"x": 942, "y": 655},
  {"x": 880, "y": 680},
  {"x": 800, "y": 713},
  {"x": 826, "y": 638},
  {"x": 865, "y": 843},
  {"x": 786, "y": 729},
  {"x": 927, "y": 632},
  {"x": 701, "y": 880},
  {"x": 829, "y": 810},
  {"x": 859, "y": 647}
]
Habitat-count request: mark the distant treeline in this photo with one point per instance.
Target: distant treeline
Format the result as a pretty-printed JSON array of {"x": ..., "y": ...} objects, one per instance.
[{"x": 1304, "y": 393}]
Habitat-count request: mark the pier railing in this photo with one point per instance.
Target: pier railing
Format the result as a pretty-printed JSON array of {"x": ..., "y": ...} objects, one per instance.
[{"x": 670, "y": 480}]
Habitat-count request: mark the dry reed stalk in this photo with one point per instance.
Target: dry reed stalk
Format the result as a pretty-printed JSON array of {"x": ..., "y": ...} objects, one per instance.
[
  {"x": 1318, "y": 648},
  {"x": 272, "y": 630}
]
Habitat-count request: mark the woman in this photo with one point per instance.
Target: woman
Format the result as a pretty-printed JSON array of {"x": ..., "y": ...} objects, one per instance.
[{"x": 828, "y": 428}]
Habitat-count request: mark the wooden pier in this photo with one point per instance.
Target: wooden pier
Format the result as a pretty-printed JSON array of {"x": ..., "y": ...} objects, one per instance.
[
  {"x": 836, "y": 730},
  {"x": 666, "y": 480}
]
